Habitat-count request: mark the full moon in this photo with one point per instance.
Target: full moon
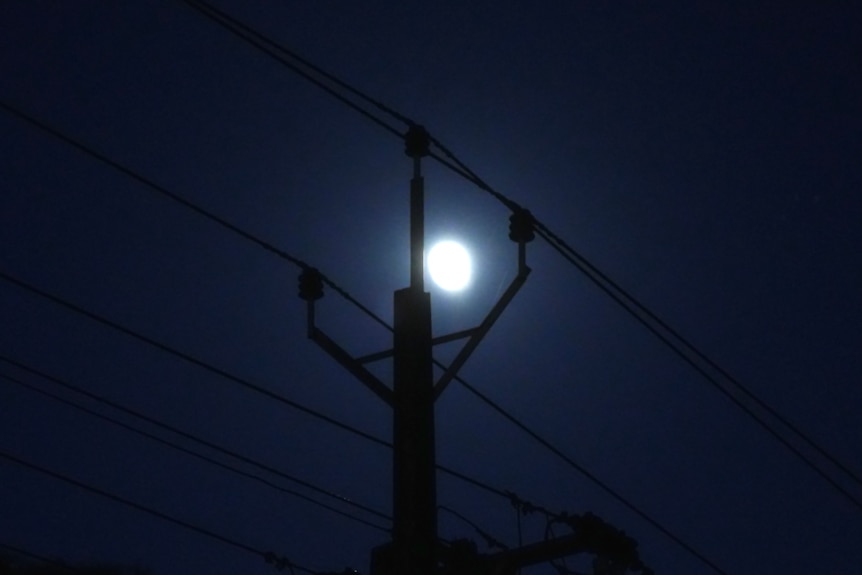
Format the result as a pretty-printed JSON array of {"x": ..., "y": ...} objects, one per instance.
[{"x": 449, "y": 265}]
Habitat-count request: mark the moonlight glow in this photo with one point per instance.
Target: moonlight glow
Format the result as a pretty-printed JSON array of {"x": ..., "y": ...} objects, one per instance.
[{"x": 449, "y": 265}]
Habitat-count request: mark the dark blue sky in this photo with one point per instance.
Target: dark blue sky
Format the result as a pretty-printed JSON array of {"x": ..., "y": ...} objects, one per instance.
[{"x": 706, "y": 157}]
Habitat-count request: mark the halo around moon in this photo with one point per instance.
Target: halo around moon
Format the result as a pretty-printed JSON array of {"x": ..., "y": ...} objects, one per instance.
[{"x": 449, "y": 265}]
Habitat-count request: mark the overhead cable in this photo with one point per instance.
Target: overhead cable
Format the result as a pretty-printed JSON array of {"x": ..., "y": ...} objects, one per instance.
[
  {"x": 268, "y": 556},
  {"x": 284, "y": 56},
  {"x": 183, "y": 201},
  {"x": 646, "y": 318},
  {"x": 258, "y": 40},
  {"x": 148, "y": 183},
  {"x": 40, "y": 558},
  {"x": 635, "y": 307},
  {"x": 185, "y": 434},
  {"x": 191, "y": 359},
  {"x": 200, "y": 363},
  {"x": 212, "y": 461},
  {"x": 463, "y": 169},
  {"x": 594, "y": 479},
  {"x": 452, "y": 162}
]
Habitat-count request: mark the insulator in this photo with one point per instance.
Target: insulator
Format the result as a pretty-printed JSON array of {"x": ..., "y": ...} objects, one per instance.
[
  {"x": 521, "y": 226},
  {"x": 310, "y": 284},
  {"x": 417, "y": 142}
]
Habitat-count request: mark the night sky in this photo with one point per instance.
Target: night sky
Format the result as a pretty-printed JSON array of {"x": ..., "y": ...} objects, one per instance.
[{"x": 704, "y": 156}]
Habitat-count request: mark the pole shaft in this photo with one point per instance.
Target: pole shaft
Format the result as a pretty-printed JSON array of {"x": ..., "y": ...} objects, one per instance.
[
  {"x": 417, "y": 228},
  {"x": 414, "y": 458}
]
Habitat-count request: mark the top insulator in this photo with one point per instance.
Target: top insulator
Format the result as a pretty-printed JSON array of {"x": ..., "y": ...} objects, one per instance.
[
  {"x": 521, "y": 226},
  {"x": 310, "y": 284},
  {"x": 416, "y": 141}
]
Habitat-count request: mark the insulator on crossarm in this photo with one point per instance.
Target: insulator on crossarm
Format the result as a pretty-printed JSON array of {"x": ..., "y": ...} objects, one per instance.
[
  {"x": 310, "y": 284},
  {"x": 521, "y": 226},
  {"x": 417, "y": 142}
]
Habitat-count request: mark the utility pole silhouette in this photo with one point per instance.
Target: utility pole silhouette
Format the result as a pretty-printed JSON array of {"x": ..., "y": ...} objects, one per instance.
[
  {"x": 414, "y": 464},
  {"x": 415, "y": 548}
]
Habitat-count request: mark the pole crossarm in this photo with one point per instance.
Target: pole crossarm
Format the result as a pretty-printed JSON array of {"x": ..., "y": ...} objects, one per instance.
[
  {"x": 371, "y": 357},
  {"x": 478, "y": 333},
  {"x": 510, "y": 560},
  {"x": 352, "y": 365},
  {"x": 615, "y": 553},
  {"x": 377, "y": 356},
  {"x": 453, "y": 336}
]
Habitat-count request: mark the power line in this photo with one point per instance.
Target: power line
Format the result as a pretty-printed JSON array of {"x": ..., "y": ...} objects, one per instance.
[
  {"x": 457, "y": 166},
  {"x": 281, "y": 54},
  {"x": 190, "y": 359},
  {"x": 164, "y": 347},
  {"x": 183, "y": 201},
  {"x": 226, "y": 19},
  {"x": 268, "y": 556},
  {"x": 634, "y": 307},
  {"x": 473, "y": 481},
  {"x": 37, "y": 557},
  {"x": 255, "y": 38},
  {"x": 158, "y": 423},
  {"x": 599, "y": 278},
  {"x": 185, "y": 356},
  {"x": 463, "y": 170},
  {"x": 631, "y": 304},
  {"x": 591, "y": 477},
  {"x": 150, "y": 183},
  {"x": 266, "y": 45},
  {"x": 194, "y": 4},
  {"x": 206, "y": 458},
  {"x": 638, "y": 311},
  {"x": 175, "y": 430},
  {"x": 452, "y": 162}
]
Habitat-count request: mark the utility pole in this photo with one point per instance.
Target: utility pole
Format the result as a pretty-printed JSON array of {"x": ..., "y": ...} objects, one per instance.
[
  {"x": 415, "y": 548},
  {"x": 414, "y": 501},
  {"x": 414, "y": 464}
]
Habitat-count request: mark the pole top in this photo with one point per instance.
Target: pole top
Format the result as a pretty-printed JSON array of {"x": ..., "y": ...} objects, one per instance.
[{"x": 416, "y": 141}]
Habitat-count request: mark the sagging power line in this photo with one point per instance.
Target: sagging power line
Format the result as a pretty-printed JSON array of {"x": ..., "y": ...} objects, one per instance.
[
  {"x": 670, "y": 337},
  {"x": 468, "y": 173},
  {"x": 196, "y": 439},
  {"x": 268, "y": 556},
  {"x": 181, "y": 200},
  {"x": 242, "y": 382},
  {"x": 232, "y": 377},
  {"x": 106, "y": 160}
]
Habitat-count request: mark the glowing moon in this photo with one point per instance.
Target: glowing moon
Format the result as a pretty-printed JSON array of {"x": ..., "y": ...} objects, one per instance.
[{"x": 449, "y": 265}]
